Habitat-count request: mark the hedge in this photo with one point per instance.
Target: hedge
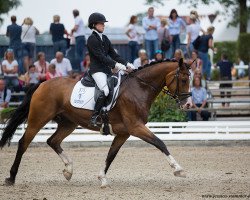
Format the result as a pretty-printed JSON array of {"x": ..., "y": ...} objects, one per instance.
[
  {"x": 164, "y": 109},
  {"x": 229, "y": 48}
]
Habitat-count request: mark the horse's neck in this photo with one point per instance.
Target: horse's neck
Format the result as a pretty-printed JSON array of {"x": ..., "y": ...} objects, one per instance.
[
  {"x": 154, "y": 77},
  {"x": 155, "y": 74}
]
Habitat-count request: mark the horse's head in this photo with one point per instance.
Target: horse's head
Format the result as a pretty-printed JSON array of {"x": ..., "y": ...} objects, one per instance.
[{"x": 177, "y": 83}]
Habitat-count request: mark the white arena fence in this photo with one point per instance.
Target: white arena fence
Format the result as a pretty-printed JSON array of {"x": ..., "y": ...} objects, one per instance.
[{"x": 182, "y": 131}]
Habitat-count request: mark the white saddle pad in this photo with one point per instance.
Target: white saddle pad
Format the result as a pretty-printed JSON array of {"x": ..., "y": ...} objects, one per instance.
[{"x": 83, "y": 97}]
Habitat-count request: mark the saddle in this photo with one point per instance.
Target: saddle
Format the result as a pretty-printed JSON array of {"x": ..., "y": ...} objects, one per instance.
[{"x": 112, "y": 82}]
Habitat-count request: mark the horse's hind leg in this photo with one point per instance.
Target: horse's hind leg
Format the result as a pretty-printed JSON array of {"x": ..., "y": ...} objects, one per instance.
[
  {"x": 65, "y": 128},
  {"x": 118, "y": 141},
  {"x": 142, "y": 132},
  {"x": 23, "y": 144}
]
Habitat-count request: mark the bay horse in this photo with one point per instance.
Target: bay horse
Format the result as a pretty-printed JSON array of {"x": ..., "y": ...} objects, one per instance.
[{"x": 50, "y": 100}]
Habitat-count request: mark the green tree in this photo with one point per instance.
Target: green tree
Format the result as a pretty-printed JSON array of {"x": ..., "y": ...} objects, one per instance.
[
  {"x": 7, "y": 5},
  {"x": 239, "y": 10}
]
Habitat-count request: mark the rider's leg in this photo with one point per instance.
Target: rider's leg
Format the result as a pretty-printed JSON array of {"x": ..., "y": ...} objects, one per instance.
[{"x": 101, "y": 82}]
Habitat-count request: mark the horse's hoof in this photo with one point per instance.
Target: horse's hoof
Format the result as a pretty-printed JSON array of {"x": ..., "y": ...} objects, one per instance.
[
  {"x": 180, "y": 173},
  {"x": 67, "y": 174},
  {"x": 9, "y": 182}
]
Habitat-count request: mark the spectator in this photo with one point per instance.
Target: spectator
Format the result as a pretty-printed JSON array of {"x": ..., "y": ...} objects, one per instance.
[
  {"x": 52, "y": 73},
  {"x": 158, "y": 56},
  {"x": 199, "y": 100},
  {"x": 62, "y": 64},
  {"x": 193, "y": 31},
  {"x": 225, "y": 74},
  {"x": 151, "y": 24},
  {"x": 31, "y": 76},
  {"x": 41, "y": 66},
  {"x": 85, "y": 63},
  {"x": 163, "y": 32},
  {"x": 10, "y": 70},
  {"x": 5, "y": 95},
  {"x": 206, "y": 42},
  {"x": 144, "y": 62},
  {"x": 57, "y": 30},
  {"x": 241, "y": 70},
  {"x": 196, "y": 63},
  {"x": 178, "y": 55},
  {"x": 14, "y": 32},
  {"x": 29, "y": 33},
  {"x": 138, "y": 61},
  {"x": 133, "y": 37},
  {"x": 197, "y": 73},
  {"x": 79, "y": 33},
  {"x": 175, "y": 24}
]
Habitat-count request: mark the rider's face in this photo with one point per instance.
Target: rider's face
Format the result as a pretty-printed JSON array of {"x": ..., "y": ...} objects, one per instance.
[{"x": 100, "y": 27}]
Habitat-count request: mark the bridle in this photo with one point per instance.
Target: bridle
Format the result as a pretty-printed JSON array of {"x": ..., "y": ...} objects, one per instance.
[{"x": 177, "y": 95}]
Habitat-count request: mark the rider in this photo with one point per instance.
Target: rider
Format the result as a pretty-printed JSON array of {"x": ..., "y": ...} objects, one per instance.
[{"x": 103, "y": 60}]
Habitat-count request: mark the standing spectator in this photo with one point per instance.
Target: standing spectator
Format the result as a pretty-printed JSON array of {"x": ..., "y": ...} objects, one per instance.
[
  {"x": 62, "y": 64},
  {"x": 31, "y": 76},
  {"x": 14, "y": 32},
  {"x": 206, "y": 42},
  {"x": 52, "y": 73},
  {"x": 151, "y": 24},
  {"x": 133, "y": 37},
  {"x": 163, "y": 32},
  {"x": 57, "y": 30},
  {"x": 29, "y": 33},
  {"x": 175, "y": 24},
  {"x": 79, "y": 33},
  {"x": 225, "y": 74},
  {"x": 41, "y": 66},
  {"x": 10, "y": 70},
  {"x": 142, "y": 56},
  {"x": 5, "y": 95},
  {"x": 193, "y": 31},
  {"x": 199, "y": 98}
]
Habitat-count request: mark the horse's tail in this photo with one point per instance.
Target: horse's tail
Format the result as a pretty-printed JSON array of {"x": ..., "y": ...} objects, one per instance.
[{"x": 17, "y": 117}]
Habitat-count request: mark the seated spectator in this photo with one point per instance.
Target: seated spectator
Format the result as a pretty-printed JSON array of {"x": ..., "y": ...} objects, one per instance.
[
  {"x": 5, "y": 95},
  {"x": 10, "y": 70},
  {"x": 199, "y": 100},
  {"x": 31, "y": 76},
  {"x": 197, "y": 64},
  {"x": 41, "y": 66},
  {"x": 197, "y": 73},
  {"x": 138, "y": 61},
  {"x": 85, "y": 63},
  {"x": 241, "y": 71},
  {"x": 52, "y": 73},
  {"x": 225, "y": 74},
  {"x": 158, "y": 57},
  {"x": 178, "y": 54},
  {"x": 62, "y": 64},
  {"x": 145, "y": 62}
]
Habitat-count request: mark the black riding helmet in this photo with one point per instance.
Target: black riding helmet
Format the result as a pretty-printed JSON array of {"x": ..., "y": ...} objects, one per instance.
[{"x": 95, "y": 18}]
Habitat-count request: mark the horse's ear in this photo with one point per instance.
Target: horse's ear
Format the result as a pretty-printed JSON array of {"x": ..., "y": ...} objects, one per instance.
[{"x": 181, "y": 62}]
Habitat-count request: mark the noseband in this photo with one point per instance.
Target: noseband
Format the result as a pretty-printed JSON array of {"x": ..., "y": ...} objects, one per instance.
[{"x": 177, "y": 96}]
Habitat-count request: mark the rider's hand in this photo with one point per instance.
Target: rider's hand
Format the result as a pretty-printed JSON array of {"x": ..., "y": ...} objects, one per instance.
[{"x": 120, "y": 66}]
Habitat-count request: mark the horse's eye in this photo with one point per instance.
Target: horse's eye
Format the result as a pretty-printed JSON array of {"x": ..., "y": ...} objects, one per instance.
[{"x": 184, "y": 81}]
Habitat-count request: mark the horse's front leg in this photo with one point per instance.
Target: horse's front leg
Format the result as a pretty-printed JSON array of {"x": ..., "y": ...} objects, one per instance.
[
  {"x": 118, "y": 141},
  {"x": 142, "y": 132}
]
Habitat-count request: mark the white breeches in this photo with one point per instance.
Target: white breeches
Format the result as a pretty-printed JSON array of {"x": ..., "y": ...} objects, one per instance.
[{"x": 101, "y": 81}]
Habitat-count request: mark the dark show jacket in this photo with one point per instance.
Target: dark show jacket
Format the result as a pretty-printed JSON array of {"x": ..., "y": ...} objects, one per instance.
[{"x": 102, "y": 54}]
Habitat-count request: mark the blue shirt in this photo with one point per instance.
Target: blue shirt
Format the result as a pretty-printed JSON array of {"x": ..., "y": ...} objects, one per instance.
[
  {"x": 199, "y": 95},
  {"x": 174, "y": 27},
  {"x": 14, "y": 32},
  {"x": 57, "y": 31},
  {"x": 152, "y": 33}
]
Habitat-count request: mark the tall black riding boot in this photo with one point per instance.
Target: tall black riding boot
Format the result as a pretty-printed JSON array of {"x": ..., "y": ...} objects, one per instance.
[{"x": 98, "y": 106}]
